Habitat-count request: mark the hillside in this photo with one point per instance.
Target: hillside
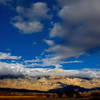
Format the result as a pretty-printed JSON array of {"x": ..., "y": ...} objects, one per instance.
[{"x": 47, "y": 83}]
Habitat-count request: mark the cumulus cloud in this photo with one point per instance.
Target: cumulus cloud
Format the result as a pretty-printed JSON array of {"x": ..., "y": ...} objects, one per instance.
[
  {"x": 8, "y": 56},
  {"x": 19, "y": 69},
  {"x": 29, "y": 27},
  {"x": 11, "y": 69},
  {"x": 29, "y": 20},
  {"x": 79, "y": 28},
  {"x": 37, "y": 10}
]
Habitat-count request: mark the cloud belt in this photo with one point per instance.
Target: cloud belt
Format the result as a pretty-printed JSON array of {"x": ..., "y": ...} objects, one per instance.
[{"x": 18, "y": 69}]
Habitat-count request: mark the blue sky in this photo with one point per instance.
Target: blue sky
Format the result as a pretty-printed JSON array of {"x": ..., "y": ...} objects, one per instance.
[{"x": 54, "y": 34}]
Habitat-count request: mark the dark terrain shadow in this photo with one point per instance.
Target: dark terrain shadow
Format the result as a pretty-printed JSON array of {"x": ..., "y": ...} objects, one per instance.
[{"x": 65, "y": 88}]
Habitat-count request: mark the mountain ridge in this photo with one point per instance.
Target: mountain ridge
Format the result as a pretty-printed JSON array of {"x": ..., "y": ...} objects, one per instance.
[{"x": 46, "y": 83}]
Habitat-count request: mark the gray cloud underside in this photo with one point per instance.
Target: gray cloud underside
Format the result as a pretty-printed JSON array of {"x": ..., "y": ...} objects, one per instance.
[{"x": 80, "y": 27}]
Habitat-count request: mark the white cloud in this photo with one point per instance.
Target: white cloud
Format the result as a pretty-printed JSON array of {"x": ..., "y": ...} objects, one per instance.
[
  {"x": 48, "y": 61},
  {"x": 39, "y": 10},
  {"x": 44, "y": 62},
  {"x": 29, "y": 20},
  {"x": 32, "y": 61},
  {"x": 29, "y": 27},
  {"x": 8, "y": 56},
  {"x": 49, "y": 42},
  {"x": 19, "y": 69},
  {"x": 11, "y": 69},
  {"x": 89, "y": 73}
]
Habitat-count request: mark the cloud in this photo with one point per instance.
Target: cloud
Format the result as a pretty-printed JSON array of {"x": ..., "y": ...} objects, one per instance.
[
  {"x": 48, "y": 61},
  {"x": 11, "y": 69},
  {"x": 37, "y": 10},
  {"x": 29, "y": 27},
  {"x": 79, "y": 28},
  {"x": 49, "y": 42},
  {"x": 64, "y": 51},
  {"x": 8, "y": 56},
  {"x": 19, "y": 69},
  {"x": 89, "y": 73},
  {"x": 58, "y": 30},
  {"x": 29, "y": 20},
  {"x": 32, "y": 61},
  {"x": 44, "y": 62}
]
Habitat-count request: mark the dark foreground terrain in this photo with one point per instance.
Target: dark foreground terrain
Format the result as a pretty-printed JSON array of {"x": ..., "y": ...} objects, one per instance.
[
  {"x": 49, "y": 88},
  {"x": 66, "y": 93},
  {"x": 32, "y": 98}
]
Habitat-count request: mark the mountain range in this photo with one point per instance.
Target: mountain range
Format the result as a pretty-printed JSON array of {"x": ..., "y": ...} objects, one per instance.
[{"x": 46, "y": 83}]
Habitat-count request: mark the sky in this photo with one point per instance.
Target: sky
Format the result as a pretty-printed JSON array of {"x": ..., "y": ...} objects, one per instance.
[{"x": 44, "y": 37}]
